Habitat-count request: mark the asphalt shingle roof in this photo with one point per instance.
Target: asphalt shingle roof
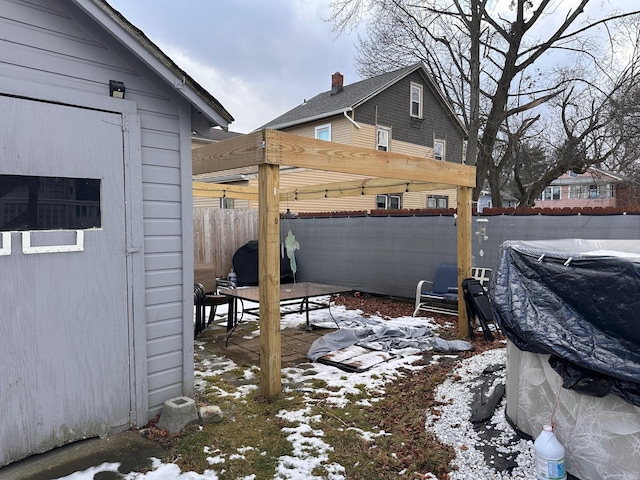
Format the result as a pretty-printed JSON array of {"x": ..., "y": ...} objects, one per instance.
[{"x": 351, "y": 96}]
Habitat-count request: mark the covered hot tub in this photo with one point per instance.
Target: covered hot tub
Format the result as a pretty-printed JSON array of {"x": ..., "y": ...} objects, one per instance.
[{"x": 571, "y": 312}]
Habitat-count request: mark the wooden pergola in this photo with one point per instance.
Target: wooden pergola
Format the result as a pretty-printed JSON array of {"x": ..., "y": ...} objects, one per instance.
[{"x": 271, "y": 149}]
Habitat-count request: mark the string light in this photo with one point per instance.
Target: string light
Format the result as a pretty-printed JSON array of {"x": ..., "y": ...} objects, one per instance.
[{"x": 342, "y": 190}]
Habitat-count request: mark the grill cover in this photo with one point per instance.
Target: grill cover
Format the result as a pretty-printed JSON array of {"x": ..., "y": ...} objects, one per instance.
[{"x": 245, "y": 264}]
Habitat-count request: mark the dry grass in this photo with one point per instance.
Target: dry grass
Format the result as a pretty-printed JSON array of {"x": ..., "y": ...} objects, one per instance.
[{"x": 407, "y": 452}]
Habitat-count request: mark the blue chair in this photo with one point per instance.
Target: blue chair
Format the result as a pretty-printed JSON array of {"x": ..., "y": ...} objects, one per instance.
[{"x": 441, "y": 294}]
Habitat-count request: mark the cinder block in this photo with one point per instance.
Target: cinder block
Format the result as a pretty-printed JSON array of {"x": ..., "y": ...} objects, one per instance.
[{"x": 177, "y": 413}]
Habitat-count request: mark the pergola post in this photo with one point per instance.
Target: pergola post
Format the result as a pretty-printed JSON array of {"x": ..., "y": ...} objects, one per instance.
[
  {"x": 269, "y": 279},
  {"x": 463, "y": 223}
]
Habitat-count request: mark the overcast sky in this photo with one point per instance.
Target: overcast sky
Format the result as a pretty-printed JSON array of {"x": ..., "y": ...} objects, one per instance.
[
  {"x": 262, "y": 58},
  {"x": 258, "y": 58}
]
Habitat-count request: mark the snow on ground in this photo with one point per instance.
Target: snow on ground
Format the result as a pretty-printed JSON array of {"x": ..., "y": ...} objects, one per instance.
[{"x": 478, "y": 449}]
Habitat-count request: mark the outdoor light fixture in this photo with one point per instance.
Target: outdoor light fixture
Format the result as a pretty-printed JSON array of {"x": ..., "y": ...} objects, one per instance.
[{"x": 116, "y": 89}]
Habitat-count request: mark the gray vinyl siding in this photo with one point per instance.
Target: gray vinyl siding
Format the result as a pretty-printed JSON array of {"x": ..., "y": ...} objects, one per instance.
[
  {"x": 390, "y": 108},
  {"x": 47, "y": 44}
]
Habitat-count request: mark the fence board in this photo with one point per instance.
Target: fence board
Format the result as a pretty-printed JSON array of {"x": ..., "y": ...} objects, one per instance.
[{"x": 218, "y": 233}]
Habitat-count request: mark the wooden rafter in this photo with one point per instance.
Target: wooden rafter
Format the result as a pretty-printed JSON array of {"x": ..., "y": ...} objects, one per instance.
[{"x": 223, "y": 190}]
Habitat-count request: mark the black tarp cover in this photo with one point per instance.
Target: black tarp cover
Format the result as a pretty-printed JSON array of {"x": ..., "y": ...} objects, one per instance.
[
  {"x": 245, "y": 264},
  {"x": 578, "y": 300}
]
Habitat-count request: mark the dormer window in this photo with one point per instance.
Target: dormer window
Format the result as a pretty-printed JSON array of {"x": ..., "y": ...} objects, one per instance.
[{"x": 416, "y": 100}]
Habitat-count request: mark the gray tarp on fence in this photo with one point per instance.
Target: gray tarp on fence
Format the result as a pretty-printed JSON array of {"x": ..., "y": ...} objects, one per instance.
[{"x": 389, "y": 255}]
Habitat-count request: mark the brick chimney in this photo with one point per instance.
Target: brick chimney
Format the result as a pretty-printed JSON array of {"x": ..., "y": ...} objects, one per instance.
[{"x": 336, "y": 83}]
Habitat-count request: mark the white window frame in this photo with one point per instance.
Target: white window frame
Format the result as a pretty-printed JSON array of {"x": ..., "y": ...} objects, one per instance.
[
  {"x": 443, "y": 144},
  {"x": 549, "y": 192},
  {"x": 227, "y": 203},
  {"x": 386, "y": 199},
  {"x": 416, "y": 87},
  {"x": 320, "y": 128},
  {"x": 386, "y": 136},
  {"x": 437, "y": 201}
]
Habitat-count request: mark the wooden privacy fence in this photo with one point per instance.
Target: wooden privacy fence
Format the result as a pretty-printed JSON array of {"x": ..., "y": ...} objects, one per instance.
[{"x": 218, "y": 233}]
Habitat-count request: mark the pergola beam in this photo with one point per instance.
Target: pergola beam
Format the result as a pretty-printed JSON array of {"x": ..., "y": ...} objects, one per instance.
[
  {"x": 287, "y": 149},
  {"x": 223, "y": 190},
  {"x": 336, "y": 157},
  {"x": 241, "y": 151}
]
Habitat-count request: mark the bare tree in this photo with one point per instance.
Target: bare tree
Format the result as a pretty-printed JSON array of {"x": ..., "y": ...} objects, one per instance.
[
  {"x": 600, "y": 125},
  {"x": 483, "y": 61}
]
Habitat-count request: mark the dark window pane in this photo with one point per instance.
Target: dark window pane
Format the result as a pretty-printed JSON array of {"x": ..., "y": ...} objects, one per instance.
[{"x": 49, "y": 203}]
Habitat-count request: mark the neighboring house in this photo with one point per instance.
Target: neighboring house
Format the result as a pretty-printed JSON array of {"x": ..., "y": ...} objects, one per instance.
[
  {"x": 96, "y": 232},
  {"x": 594, "y": 188},
  {"x": 401, "y": 111},
  {"x": 484, "y": 200}
]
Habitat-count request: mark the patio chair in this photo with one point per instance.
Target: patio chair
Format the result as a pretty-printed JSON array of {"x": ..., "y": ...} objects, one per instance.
[
  {"x": 441, "y": 294},
  {"x": 206, "y": 294},
  {"x": 479, "y": 310}
]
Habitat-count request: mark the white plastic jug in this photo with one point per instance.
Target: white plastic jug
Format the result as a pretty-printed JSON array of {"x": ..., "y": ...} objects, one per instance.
[{"x": 549, "y": 456}]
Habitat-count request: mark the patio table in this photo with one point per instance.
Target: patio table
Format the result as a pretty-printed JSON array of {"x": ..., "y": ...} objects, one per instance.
[{"x": 299, "y": 294}]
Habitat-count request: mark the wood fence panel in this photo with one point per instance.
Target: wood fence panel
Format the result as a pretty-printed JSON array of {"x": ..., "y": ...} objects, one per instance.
[{"x": 218, "y": 233}]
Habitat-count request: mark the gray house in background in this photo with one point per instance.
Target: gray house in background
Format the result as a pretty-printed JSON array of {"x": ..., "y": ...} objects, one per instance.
[
  {"x": 96, "y": 229},
  {"x": 402, "y": 111}
]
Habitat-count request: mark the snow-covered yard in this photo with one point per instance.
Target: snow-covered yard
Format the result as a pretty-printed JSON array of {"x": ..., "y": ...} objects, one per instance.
[{"x": 484, "y": 451}]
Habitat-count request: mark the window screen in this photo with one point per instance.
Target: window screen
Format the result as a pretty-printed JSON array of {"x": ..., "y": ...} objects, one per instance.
[{"x": 49, "y": 203}]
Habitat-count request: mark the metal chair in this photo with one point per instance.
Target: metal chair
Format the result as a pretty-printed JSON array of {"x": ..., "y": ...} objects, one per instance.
[
  {"x": 441, "y": 294},
  {"x": 213, "y": 299}
]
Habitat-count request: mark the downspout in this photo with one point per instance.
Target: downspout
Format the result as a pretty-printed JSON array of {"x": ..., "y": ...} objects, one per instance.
[{"x": 351, "y": 119}]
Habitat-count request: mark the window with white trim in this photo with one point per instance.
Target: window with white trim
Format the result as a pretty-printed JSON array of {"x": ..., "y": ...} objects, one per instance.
[
  {"x": 382, "y": 139},
  {"x": 550, "y": 193},
  {"x": 226, "y": 202},
  {"x": 391, "y": 201},
  {"x": 437, "y": 201},
  {"x": 416, "y": 100},
  {"x": 438, "y": 149},
  {"x": 582, "y": 192},
  {"x": 323, "y": 132}
]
